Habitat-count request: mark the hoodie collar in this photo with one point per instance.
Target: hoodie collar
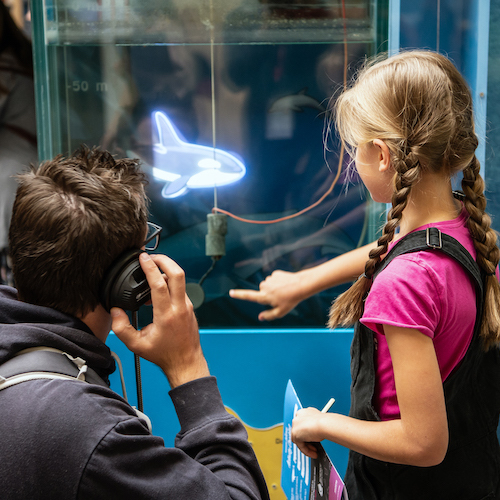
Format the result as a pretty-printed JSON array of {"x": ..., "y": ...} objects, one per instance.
[{"x": 24, "y": 325}]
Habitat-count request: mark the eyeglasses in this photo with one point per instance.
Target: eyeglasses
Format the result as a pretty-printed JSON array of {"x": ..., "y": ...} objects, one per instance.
[{"x": 153, "y": 237}]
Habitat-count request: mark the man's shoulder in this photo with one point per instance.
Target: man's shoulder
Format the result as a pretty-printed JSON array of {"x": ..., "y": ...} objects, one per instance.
[
  {"x": 67, "y": 405},
  {"x": 49, "y": 426}
]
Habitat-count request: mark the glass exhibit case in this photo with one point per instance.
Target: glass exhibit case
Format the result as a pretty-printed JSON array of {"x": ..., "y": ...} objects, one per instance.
[{"x": 226, "y": 103}]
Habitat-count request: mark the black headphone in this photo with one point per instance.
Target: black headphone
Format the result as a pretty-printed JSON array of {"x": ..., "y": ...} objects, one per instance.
[{"x": 124, "y": 284}]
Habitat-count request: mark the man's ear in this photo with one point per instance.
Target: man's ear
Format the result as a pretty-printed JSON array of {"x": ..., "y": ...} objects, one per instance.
[{"x": 383, "y": 154}]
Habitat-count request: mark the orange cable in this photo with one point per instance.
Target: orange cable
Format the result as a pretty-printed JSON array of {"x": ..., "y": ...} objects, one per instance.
[
  {"x": 339, "y": 167},
  {"x": 281, "y": 219}
]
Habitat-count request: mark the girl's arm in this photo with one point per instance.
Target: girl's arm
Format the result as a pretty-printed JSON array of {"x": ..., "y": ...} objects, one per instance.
[
  {"x": 419, "y": 437},
  {"x": 283, "y": 290}
]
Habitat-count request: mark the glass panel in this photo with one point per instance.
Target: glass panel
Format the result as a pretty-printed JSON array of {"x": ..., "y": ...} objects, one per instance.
[
  {"x": 219, "y": 21},
  {"x": 232, "y": 93},
  {"x": 492, "y": 178}
]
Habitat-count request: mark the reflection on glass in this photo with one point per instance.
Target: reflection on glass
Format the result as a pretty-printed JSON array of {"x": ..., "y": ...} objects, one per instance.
[{"x": 224, "y": 88}]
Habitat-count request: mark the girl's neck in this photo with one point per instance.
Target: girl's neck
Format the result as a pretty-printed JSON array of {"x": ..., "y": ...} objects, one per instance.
[{"x": 431, "y": 200}]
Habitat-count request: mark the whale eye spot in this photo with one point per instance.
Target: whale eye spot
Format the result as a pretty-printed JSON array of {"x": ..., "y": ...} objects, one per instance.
[
  {"x": 209, "y": 163},
  {"x": 211, "y": 178}
]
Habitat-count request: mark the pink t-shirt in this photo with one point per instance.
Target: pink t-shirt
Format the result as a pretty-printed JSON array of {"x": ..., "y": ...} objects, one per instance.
[{"x": 429, "y": 292}]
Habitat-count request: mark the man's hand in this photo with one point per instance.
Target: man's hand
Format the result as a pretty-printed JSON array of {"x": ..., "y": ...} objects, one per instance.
[{"x": 172, "y": 340}]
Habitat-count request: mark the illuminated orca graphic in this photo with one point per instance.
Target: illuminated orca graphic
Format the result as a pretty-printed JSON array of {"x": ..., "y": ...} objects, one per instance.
[{"x": 186, "y": 166}]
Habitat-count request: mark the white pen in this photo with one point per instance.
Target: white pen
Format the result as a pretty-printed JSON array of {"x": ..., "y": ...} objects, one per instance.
[{"x": 328, "y": 405}]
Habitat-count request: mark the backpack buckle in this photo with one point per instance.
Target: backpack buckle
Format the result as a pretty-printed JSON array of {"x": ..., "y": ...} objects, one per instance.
[{"x": 433, "y": 238}]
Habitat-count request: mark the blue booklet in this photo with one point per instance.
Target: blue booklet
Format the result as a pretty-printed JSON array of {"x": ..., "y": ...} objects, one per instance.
[{"x": 303, "y": 478}]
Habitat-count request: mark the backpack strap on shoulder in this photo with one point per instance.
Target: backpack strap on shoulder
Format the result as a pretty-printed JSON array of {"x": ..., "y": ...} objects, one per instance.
[
  {"x": 46, "y": 363},
  {"x": 40, "y": 363},
  {"x": 432, "y": 239}
]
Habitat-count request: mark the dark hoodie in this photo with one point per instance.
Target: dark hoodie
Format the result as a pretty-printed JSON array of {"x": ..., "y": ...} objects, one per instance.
[{"x": 62, "y": 439}]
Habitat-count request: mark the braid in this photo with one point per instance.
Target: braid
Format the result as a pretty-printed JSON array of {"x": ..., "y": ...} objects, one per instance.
[
  {"x": 348, "y": 307},
  {"x": 488, "y": 254},
  {"x": 421, "y": 107}
]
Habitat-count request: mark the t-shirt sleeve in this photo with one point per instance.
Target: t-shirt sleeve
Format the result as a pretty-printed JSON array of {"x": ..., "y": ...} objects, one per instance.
[{"x": 406, "y": 295}]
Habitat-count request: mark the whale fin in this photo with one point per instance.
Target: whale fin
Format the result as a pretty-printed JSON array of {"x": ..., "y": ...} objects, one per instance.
[
  {"x": 167, "y": 135},
  {"x": 175, "y": 188}
]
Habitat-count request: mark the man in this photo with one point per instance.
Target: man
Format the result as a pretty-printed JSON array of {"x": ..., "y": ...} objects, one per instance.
[{"x": 67, "y": 439}]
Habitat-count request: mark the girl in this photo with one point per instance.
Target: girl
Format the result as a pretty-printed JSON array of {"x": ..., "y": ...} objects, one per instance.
[{"x": 426, "y": 383}]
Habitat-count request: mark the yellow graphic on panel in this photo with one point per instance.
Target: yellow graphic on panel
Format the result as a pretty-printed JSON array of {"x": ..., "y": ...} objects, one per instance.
[{"x": 267, "y": 444}]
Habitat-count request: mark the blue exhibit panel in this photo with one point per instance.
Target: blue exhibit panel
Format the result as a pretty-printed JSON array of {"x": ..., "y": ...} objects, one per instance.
[{"x": 252, "y": 368}]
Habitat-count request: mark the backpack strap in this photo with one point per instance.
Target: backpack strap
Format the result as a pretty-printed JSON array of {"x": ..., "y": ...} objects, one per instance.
[
  {"x": 432, "y": 239},
  {"x": 46, "y": 363}
]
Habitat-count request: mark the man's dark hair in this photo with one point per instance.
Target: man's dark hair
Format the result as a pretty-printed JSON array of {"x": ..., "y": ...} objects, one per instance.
[{"x": 71, "y": 219}]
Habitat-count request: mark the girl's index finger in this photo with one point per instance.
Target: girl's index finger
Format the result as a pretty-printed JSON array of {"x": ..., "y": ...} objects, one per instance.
[{"x": 249, "y": 295}]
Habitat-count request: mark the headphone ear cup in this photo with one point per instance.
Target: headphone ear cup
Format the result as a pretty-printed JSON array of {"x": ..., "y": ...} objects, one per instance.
[{"x": 124, "y": 284}]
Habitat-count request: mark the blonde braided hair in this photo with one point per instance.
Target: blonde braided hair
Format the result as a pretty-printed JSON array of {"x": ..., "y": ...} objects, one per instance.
[
  {"x": 420, "y": 106},
  {"x": 488, "y": 254}
]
